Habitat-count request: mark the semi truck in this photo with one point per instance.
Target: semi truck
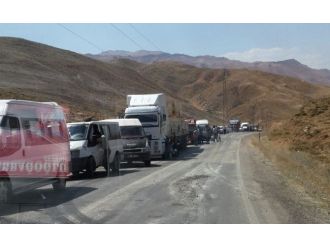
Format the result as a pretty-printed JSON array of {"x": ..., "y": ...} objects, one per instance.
[
  {"x": 166, "y": 129},
  {"x": 205, "y": 131}
]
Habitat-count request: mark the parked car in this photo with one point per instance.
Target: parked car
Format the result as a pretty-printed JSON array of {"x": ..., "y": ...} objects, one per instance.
[
  {"x": 245, "y": 126},
  {"x": 94, "y": 144},
  {"x": 34, "y": 147},
  {"x": 136, "y": 143}
]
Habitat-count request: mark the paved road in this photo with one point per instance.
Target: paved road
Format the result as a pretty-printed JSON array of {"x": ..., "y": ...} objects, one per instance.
[{"x": 211, "y": 183}]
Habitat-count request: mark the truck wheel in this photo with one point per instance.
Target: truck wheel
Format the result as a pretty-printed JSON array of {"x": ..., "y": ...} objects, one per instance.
[
  {"x": 147, "y": 162},
  {"x": 5, "y": 191},
  {"x": 59, "y": 185},
  {"x": 91, "y": 166},
  {"x": 116, "y": 164}
]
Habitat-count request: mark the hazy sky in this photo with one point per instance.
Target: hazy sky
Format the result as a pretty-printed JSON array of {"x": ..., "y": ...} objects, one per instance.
[{"x": 308, "y": 43}]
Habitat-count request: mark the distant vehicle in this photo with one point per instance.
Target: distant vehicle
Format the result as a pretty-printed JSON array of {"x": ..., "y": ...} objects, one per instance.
[
  {"x": 234, "y": 125},
  {"x": 135, "y": 142},
  {"x": 34, "y": 147},
  {"x": 167, "y": 131},
  {"x": 245, "y": 126},
  {"x": 222, "y": 129},
  {"x": 205, "y": 131},
  {"x": 94, "y": 144},
  {"x": 192, "y": 133}
]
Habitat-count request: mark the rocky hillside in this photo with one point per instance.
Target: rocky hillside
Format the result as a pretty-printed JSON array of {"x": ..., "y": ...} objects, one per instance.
[{"x": 89, "y": 87}]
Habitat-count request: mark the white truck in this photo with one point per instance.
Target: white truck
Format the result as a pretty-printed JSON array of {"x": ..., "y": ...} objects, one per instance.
[
  {"x": 205, "y": 131},
  {"x": 166, "y": 130}
]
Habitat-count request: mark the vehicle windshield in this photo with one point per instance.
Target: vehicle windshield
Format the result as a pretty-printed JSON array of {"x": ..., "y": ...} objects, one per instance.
[
  {"x": 131, "y": 131},
  {"x": 203, "y": 126},
  {"x": 147, "y": 120},
  {"x": 78, "y": 132}
]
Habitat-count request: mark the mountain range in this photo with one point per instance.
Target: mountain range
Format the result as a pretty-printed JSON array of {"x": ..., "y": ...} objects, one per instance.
[{"x": 290, "y": 67}]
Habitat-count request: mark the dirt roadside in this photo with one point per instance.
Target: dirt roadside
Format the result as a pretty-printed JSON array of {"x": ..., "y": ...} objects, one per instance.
[{"x": 286, "y": 182}]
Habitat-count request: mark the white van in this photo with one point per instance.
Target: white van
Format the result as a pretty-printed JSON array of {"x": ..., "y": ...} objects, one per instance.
[
  {"x": 94, "y": 144},
  {"x": 34, "y": 146},
  {"x": 136, "y": 143}
]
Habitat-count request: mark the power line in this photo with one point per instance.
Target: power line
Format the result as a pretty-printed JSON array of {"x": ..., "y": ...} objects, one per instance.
[
  {"x": 128, "y": 37},
  {"x": 79, "y": 36},
  {"x": 145, "y": 37}
]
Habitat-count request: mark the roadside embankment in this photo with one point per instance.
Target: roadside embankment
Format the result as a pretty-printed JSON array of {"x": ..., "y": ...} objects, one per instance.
[{"x": 300, "y": 147}]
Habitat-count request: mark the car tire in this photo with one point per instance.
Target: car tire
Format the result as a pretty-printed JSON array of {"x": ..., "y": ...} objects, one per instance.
[
  {"x": 91, "y": 166},
  {"x": 59, "y": 185},
  {"x": 147, "y": 163},
  {"x": 5, "y": 191}
]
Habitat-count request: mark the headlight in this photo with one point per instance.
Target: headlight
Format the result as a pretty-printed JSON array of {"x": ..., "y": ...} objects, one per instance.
[{"x": 147, "y": 143}]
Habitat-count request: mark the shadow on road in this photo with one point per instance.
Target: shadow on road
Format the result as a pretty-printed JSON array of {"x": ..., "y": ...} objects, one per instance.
[
  {"x": 190, "y": 152},
  {"x": 36, "y": 200},
  {"x": 102, "y": 174},
  {"x": 138, "y": 165}
]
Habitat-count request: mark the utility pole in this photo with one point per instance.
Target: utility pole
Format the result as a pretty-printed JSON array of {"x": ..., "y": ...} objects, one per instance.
[{"x": 224, "y": 98}]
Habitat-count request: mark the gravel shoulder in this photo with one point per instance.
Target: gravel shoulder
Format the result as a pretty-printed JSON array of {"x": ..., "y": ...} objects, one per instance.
[{"x": 281, "y": 186}]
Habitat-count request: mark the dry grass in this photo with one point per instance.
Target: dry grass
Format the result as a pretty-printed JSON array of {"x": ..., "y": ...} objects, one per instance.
[
  {"x": 301, "y": 148},
  {"x": 302, "y": 171}
]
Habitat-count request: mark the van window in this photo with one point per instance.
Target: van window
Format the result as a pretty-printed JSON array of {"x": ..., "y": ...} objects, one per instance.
[
  {"x": 93, "y": 135},
  {"x": 38, "y": 132},
  {"x": 131, "y": 131},
  {"x": 114, "y": 132},
  {"x": 10, "y": 135},
  {"x": 78, "y": 132}
]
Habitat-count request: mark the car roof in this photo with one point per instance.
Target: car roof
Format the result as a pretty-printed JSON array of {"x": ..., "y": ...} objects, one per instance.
[{"x": 125, "y": 121}]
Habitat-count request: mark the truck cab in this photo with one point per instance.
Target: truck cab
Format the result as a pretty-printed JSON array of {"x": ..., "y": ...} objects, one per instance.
[
  {"x": 167, "y": 132},
  {"x": 205, "y": 131}
]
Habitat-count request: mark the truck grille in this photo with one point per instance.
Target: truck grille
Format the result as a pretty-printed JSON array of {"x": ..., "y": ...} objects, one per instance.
[{"x": 132, "y": 150}]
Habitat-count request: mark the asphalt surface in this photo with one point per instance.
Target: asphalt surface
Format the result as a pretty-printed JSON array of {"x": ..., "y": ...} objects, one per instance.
[{"x": 210, "y": 183}]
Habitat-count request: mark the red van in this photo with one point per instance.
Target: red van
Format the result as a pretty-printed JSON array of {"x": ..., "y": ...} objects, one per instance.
[{"x": 34, "y": 146}]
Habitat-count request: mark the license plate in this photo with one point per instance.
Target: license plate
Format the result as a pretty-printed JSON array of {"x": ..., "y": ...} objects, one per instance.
[{"x": 133, "y": 156}]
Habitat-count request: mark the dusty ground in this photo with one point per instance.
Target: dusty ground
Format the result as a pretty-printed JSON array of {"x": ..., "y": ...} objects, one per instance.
[{"x": 299, "y": 187}]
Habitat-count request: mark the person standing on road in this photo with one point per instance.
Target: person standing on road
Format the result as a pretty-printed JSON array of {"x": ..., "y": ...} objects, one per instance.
[{"x": 215, "y": 133}]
